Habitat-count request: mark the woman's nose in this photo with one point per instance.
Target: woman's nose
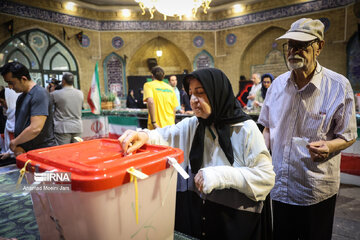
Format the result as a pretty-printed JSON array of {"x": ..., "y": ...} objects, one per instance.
[{"x": 193, "y": 98}]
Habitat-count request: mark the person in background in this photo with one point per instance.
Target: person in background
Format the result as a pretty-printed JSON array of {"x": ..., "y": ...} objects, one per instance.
[
  {"x": 8, "y": 99},
  {"x": 309, "y": 117},
  {"x": 2, "y": 116},
  {"x": 242, "y": 79},
  {"x": 255, "y": 78},
  {"x": 357, "y": 102},
  {"x": 140, "y": 99},
  {"x": 67, "y": 103},
  {"x": 131, "y": 101},
  {"x": 161, "y": 100},
  {"x": 33, "y": 116},
  {"x": 225, "y": 155},
  {"x": 185, "y": 101},
  {"x": 266, "y": 80},
  {"x": 53, "y": 85},
  {"x": 173, "y": 84}
]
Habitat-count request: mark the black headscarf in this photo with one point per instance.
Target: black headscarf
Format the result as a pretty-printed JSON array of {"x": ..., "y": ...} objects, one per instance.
[
  {"x": 225, "y": 111},
  {"x": 264, "y": 89}
]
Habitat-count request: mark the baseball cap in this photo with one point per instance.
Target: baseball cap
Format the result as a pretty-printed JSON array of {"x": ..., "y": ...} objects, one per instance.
[{"x": 304, "y": 30}]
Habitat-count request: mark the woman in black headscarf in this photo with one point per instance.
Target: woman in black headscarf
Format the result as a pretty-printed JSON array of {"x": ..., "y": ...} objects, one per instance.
[
  {"x": 266, "y": 80},
  {"x": 225, "y": 155},
  {"x": 131, "y": 102}
]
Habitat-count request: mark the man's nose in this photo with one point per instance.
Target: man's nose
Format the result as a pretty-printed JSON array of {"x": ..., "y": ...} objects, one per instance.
[{"x": 293, "y": 50}]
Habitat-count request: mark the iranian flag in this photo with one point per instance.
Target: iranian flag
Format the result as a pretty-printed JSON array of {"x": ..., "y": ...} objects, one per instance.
[
  {"x": 118, "y": 125},
  {"x": 94, "y": 98}
]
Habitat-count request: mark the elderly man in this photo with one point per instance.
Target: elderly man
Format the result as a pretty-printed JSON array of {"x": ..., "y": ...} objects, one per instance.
[
  {"x": 309, "y": 117},
  {"x": 33, "y": 116},
  {"x": 255, "y": 78},
  {"x": 67, "y": 107}
]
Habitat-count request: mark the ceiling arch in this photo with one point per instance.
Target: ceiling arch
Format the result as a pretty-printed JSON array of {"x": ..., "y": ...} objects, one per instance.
[
  {"x": 173, "y": 59},
  {"x": 258, "y": 47}
]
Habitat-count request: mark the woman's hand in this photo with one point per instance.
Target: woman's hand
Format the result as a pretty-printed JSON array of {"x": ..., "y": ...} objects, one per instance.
[
  {"x": 199, "y": 181},
  {"x": 132, "y": 140},
  {"x": 4, "y": 156}
]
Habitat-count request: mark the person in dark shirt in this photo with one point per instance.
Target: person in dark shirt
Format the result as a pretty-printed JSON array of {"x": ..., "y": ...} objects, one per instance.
[
  {"x": 131, "y": 102},
  {"x": 2, "y": 116},
  {"x": 2, "y": 120},
  {"x": 54, "y": 84},
  {"x": 185, "y": 101},
  {"x": 33, "y": 116},
  {"x": 140, "y": 97}
]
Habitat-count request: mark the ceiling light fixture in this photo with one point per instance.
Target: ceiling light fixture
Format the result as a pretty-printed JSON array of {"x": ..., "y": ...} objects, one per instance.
[
  {"x": 125, "y": 13},
  {"x": 173, "y": 8},
  {"x": 70, "y": 6},
  {"x": 238, "y": 8},
  {"x": 158, "y": 51}
]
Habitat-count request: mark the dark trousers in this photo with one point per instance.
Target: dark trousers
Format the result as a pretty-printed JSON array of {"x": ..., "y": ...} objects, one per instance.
[
  {"x": 304, "y": 222},
  {"x": 205, "y": 219}
]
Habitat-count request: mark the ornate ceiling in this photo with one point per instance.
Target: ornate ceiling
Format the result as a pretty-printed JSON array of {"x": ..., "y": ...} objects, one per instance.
[{"x": 131, "y": 4}]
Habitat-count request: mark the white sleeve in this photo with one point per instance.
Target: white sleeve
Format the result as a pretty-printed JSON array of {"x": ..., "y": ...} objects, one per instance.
[
  {"x": 179, "y": 135},
  {"x": 252, "y": 172}
]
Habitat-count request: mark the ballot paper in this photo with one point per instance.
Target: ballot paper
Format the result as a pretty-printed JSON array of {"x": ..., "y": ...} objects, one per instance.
[{"x": 303, "y": 142}]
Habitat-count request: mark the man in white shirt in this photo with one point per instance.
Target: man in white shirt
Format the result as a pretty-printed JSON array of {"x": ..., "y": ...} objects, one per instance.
[
  {"x": 256, "y": 78},
  {"x": 67, "y": 111},
  {"x": 309, "y": 117},
  {"x": 173, "y": 84}
]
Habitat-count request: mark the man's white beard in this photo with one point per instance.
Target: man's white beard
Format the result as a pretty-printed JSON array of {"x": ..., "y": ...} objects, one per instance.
[{"x": 295, "y": 65}]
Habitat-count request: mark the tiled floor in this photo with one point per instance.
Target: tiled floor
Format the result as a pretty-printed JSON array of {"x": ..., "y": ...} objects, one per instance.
[{"x": 347, "y": 213}]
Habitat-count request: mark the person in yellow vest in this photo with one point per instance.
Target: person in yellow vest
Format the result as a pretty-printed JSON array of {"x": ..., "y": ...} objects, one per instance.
[{"x": 161, "y": 100}]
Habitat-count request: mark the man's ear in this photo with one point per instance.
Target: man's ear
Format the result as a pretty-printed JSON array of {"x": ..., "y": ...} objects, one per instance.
[
  {"x": 23, "y": 78},
  {"x": 320, "y": 47}
]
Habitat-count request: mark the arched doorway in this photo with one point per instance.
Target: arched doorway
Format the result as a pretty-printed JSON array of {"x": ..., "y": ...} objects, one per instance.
[
  {"x": 258, "y": 48},
  {"x": 173, "y": 59},
  {"x": 44, "y": 56}
]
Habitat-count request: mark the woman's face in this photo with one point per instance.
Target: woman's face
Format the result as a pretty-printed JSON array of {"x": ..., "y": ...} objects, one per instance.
[
  {"x": 198, "y": 99},
  {"x": 267, "y": 82}
]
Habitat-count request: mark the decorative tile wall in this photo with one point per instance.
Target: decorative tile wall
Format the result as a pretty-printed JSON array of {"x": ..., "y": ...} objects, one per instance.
[{"x": 16, "y": 9}]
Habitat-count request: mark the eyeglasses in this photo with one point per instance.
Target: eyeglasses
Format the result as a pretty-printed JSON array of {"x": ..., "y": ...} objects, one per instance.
[{"x": 297, "y": 45}]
